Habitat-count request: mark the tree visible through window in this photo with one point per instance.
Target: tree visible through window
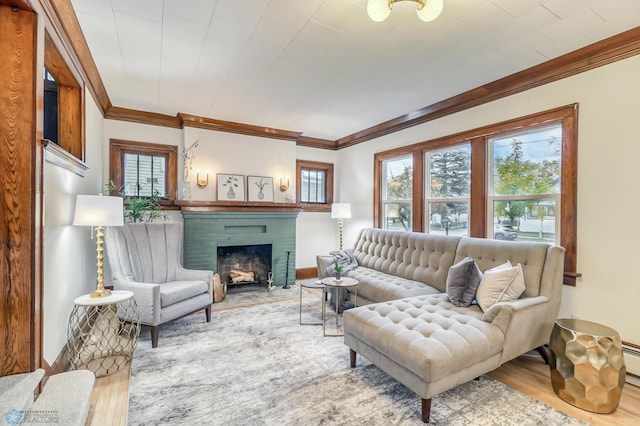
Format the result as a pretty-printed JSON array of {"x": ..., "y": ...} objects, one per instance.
[
  {"x": 397, "y": 189},
  {"x": 526, "y": 184},
  {"x": 449, "y": 184}
]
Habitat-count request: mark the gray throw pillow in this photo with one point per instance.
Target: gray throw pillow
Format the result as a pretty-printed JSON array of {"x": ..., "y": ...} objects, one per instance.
[{"x": 462, "y": 282}]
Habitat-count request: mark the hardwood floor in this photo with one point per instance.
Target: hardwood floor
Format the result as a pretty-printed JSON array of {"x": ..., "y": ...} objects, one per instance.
[{"x": 527, "y": 374}]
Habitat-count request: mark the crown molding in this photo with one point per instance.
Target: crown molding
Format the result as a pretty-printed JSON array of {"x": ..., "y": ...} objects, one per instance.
[
  {"x": 143, "y": 117},
  {"x": 604, "y": 52},
  {"x": 316, "y": 143},
  {"x": 240, "y": 128}
]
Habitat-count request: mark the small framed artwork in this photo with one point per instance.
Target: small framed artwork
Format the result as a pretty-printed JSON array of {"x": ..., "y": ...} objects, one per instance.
[
  {"x": 230, "y": 187},
  {"x": 260, "y": 188}
]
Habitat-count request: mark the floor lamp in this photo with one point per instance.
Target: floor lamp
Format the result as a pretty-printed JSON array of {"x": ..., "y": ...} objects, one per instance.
[
  {"x": 340, "y": 211},
  {"x": 99, "y": 211}
]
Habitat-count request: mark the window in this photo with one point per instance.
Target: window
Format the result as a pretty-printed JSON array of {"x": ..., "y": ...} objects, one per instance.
[
  {"x": 63, "y": 107},
  {"x": 515, "y": 180},
  {"x": 448, "y": 177},
  {"x": 50, "y": 110},
  {"x": 397, "y": 188},
  {"x": 141, "y": 169},
  {"x": 144, "y": 174},
  {"x": 524, "y": 184},
  {"x": 314, "y": 185}
]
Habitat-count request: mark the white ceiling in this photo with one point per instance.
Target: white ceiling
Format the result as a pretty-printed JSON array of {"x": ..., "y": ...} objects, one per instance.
[{"x": 323, "y": 67}]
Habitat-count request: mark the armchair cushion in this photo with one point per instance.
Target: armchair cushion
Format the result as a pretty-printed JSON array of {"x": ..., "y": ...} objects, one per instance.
[{"x": 177, "y": 291}]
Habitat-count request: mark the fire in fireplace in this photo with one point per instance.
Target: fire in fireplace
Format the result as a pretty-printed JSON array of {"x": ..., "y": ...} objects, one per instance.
[{"x": 248, "y": 264}]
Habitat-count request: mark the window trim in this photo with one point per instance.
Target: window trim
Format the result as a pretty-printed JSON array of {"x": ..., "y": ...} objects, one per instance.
[
  {"x": 117, "y": 149},
  {"x": 71, "y": 111},
  {"x": 316, "y": 165},
  {"x": 566, "y": 115}
]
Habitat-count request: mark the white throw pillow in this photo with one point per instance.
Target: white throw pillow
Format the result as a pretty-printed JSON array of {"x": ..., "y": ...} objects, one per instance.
[{"x": 500, "y": 284}]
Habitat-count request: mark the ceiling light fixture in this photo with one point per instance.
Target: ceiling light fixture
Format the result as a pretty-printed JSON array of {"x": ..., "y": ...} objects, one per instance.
[{"x": 428, "y": 10}]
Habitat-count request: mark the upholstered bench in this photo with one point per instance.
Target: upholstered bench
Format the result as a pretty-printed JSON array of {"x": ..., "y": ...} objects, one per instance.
[{"x": 425, "y": 342}]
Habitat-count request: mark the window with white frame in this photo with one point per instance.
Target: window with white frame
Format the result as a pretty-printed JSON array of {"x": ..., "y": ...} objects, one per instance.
[
  {"x": 397, "y": 184},
  {"x": 525, "y": 185},
  {"x": 448, "y": 188}
]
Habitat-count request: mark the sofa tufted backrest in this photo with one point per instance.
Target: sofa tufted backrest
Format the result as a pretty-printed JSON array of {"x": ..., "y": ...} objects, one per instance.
[
  {"x": 145, "y": 252},
  {"x": 537, "y": 259},
  {"x": 411, "y": 255}
]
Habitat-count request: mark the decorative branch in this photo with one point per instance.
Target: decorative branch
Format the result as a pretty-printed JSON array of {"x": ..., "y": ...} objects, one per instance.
[{"x": 188, "y": 155}]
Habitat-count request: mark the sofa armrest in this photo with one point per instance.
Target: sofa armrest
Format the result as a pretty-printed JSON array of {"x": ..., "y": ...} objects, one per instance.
[
  {"x": 323, "y": 262},
  {"x": 147, "y": 298},
  {"x": 500, "y": 313},
  {"x": 526, "y": 324}
]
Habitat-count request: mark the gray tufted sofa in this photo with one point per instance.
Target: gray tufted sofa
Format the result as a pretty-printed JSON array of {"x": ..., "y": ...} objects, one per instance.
[{"x": 409, "y": 328}]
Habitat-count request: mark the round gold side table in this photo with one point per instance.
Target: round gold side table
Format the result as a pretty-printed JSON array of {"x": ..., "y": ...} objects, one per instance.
[
  {"x": 587, "y": 365},
  {"x": 103, "y": 332}
]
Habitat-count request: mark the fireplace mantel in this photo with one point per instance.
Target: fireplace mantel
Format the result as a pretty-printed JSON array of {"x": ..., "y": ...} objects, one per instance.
[{"x": 236, "y": 206}]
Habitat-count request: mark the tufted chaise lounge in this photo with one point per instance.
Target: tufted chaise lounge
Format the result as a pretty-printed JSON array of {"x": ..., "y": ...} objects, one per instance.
[{"x": 423, "y": 340}]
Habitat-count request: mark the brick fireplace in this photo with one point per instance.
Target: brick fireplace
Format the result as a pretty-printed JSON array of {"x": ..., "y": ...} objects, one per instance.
[{"x": 208, "y": 233}]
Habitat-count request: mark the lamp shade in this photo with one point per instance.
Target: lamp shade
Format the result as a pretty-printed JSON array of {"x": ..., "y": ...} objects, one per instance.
[
  {"x": 340, "y": 211},
  {"x": 431, "y": 10},
  {"x": 98, "y": 210}
]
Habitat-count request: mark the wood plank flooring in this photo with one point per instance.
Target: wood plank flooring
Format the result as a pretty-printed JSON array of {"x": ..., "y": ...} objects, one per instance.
[{"x": 527, "y": 374}]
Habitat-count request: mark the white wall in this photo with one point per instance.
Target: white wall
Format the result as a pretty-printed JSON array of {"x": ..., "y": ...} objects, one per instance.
[
  {"x": 608, "y": 171},
  {"x": 316, "y": 232},
  {"x": 231, "y": 153},
  {"x": 69, "y": 255}
]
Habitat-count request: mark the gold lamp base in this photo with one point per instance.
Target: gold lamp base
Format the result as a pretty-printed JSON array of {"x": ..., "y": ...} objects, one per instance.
[
  {"x": 101, "y": 293},
  {"x": 100, "y": 290}
]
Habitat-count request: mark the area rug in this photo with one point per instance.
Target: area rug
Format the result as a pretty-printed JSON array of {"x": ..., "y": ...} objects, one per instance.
[{"x": 255, "y": 365}]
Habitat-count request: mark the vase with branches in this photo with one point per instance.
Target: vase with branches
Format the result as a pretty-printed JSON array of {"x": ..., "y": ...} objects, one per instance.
[{"x": 188, "y": 154}]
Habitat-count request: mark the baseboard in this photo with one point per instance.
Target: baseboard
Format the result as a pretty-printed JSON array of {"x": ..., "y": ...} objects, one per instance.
[
  {"x": 60, "y": 365},
  {"x": 304, "y": 273}
]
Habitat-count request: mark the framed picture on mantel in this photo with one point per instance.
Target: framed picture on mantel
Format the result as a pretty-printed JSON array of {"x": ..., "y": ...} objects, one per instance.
[
  {"x": 260, "y": 188},
  {"x": 230, "y": 187}
]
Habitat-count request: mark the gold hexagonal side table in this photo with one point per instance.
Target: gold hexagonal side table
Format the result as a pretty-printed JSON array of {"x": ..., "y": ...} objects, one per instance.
[{"x": 587, "y": 365}]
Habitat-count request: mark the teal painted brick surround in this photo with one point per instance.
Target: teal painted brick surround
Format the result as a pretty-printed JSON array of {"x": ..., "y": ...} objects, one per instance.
[{"x": 205, "y": 231}]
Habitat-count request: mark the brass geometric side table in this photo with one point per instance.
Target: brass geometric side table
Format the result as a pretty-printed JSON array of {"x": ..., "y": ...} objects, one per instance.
[
  {"x": 587, "y": 366},
  {"x": 103, "y": 332}
]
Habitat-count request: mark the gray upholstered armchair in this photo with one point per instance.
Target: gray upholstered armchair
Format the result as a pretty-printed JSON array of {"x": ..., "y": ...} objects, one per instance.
[{"x": 146, "y": 258}]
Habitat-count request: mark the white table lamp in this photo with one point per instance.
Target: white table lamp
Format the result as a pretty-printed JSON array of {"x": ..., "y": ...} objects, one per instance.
[
  {"x": 340, "y": 211},
  {"x": 99, "y": 211}
]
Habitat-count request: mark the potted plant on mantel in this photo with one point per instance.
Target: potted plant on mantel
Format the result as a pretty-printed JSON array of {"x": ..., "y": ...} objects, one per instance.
[{"x": 140, "y": 209}]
